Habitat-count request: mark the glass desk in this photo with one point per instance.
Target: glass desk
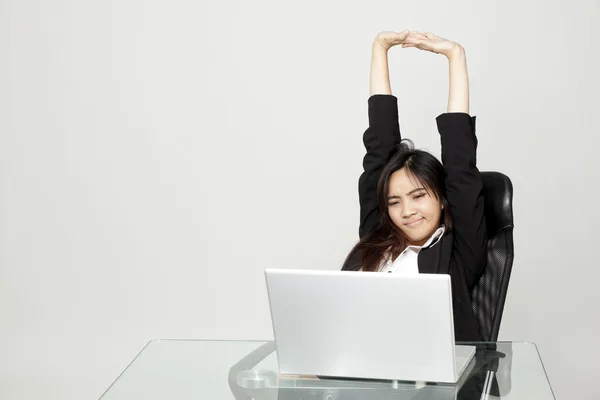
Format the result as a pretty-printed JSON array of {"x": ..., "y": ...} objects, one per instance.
[{"x": 247, "y": 370}]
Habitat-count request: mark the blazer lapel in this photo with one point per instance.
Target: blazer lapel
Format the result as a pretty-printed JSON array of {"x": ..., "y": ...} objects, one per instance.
[
  {"x": 427, "y": 259},
  {"x": 436, "y": 259}
]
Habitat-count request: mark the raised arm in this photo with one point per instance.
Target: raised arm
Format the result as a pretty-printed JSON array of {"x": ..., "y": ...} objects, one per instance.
[
  {"x": 464, "y": 187},
  {"x": 458, "y": 95},
  {"x": 383, "y": 133}
]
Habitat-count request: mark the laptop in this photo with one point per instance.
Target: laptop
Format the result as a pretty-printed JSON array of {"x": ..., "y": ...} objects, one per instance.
[{"x": 365, "y": 325}]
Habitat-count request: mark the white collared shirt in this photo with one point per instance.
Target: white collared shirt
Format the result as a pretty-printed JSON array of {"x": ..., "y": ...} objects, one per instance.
[{"x": 407, "y": 262}]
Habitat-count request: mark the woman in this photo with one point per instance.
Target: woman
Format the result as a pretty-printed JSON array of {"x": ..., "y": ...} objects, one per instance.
[{"x": 417, "y": 215}]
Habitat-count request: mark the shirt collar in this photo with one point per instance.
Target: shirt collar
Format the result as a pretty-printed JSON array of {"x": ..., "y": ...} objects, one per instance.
[{"x": 433, "y": 239}]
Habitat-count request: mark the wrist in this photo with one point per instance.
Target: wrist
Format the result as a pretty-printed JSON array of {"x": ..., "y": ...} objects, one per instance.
[
  {"x": 379, "y": 48},
  {"x": 456, "y": 53}
]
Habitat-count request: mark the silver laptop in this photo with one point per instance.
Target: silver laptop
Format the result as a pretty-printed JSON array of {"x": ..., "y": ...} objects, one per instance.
[{"x": 365, "y": 325}]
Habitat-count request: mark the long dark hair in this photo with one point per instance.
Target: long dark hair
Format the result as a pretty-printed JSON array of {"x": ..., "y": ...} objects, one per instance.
[{"x": 386, "y": 238}]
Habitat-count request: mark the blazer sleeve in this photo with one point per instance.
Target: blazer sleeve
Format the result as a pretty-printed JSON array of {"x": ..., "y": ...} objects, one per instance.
[
  {"x": 464, "y": 191},
  {"x": 380, "y": 139}
]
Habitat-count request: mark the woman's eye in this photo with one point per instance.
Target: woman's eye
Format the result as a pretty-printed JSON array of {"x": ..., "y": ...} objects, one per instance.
[
  {"x": 392, "y": 204},
  {"x": 419, "y": 196}
]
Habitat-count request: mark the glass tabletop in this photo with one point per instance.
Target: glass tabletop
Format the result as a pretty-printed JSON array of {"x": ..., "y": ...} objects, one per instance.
[{"x": 247, "y": 370}]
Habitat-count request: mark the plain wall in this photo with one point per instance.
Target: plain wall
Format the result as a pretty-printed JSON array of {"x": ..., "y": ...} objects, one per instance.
[{"x": 156, "y": 156}]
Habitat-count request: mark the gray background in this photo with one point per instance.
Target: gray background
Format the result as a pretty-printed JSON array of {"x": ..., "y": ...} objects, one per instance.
[{"x": 156, "y": 156}]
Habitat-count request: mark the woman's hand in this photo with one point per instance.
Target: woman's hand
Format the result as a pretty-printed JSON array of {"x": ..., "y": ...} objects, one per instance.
[
  {"x": 458, "y": 97},
  {"x": 430, "y": 42},
  {"x": 387, "y": 40}
]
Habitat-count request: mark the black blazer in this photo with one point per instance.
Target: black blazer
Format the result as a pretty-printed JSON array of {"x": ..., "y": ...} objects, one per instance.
[{"x": 460, "y": 253}]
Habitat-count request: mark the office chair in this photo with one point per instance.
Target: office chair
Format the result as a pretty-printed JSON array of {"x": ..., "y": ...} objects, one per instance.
[{"x": 489, "y": 294}]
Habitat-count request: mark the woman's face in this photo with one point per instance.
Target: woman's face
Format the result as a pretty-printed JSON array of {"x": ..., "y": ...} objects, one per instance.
[{"x": 412, "y": 209}]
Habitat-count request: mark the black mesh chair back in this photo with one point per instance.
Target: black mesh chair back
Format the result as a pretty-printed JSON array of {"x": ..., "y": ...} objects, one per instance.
[{"x": 489, "y": 294}]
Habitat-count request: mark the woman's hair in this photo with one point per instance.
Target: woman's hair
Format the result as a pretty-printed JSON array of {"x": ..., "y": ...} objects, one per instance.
[{"x": 386, "y": 238}]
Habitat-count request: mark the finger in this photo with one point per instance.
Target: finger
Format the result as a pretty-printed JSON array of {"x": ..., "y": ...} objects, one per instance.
[
  {"x": 426, "y": 43},
  {"x": 415, "y": 34},
  {"x": 414, "y": 45},
  {"x": 402, "y": 35},
  {"x": 419, "y": 35},
  {"x": 413, "y": 39},
  {"x": 423, "y": 43}
]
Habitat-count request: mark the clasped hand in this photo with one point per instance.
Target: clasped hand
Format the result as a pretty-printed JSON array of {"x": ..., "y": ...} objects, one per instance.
[{"x": 423, "y": 41}]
